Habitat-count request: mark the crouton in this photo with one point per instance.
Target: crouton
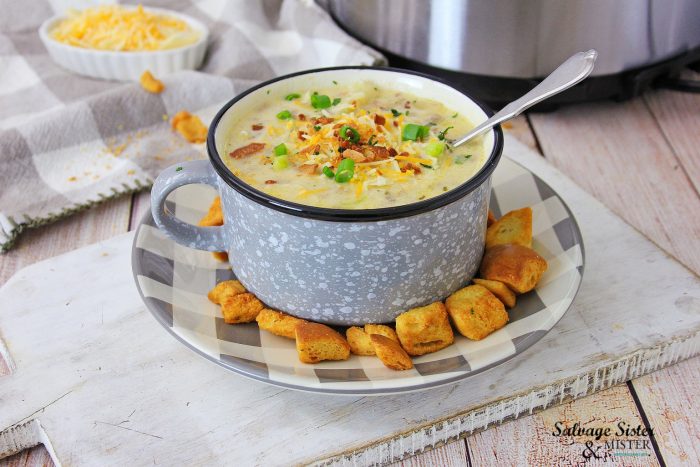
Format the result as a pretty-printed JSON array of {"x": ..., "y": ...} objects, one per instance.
[
  {"x": 390, "y": 353},
  {"x": 278, "y": 323},
  {"x": 220, "y": 256},
  {"x": 189, "y": 126},
  {"x": 519, "y": 267},
  {"x": 476, "y": 312},
  {"x": 224, "y": 290},
  {"x": 241, "y": 308},
  {"x": 214, "y": 218},
  {"x": 515, "y": 227},
  {"x": 317, "y": 342},
  {"x": 150, "y": 83},
  {"x": 425, "y": 329},
  {"x": 215, "y": 215},
  {"x": 500, "y": 290},
  {"x": 360, "y": 343},
  {"x": 491, "y": 219},
  {"x": 382, "y": 330}
]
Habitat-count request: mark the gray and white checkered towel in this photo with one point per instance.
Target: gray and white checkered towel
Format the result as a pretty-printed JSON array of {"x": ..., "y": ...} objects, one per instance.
[{"x": 68, "y": 142}]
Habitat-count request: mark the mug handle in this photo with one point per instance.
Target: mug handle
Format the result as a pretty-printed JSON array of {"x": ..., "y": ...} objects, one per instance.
[{"x": 175, "y": 176}]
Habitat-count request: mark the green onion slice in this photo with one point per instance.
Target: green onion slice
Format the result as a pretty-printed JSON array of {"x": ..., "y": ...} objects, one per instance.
[
  {"x": 435, "y": 148},
  {"x": 413, "y": 132},
  {"x": 336, "y": 101},
  {"x": 320, "y": 101},
  {"x": 328, "y": 172},
  {"x": 284, "y": 115},
  {"x": 348, "y": 133},
  {"x": 280, "y": 150},
  {"x": 292, "y": 96},
  {"x": 345, "y": 171},
  {"x": 280, "y": 162}
]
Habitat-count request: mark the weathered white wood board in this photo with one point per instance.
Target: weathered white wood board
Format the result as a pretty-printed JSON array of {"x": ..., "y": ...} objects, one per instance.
[{"x": 110, "y": 387}]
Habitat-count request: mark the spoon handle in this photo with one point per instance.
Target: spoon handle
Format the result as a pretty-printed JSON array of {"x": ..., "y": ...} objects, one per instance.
[{"x": 574, "y": 70}]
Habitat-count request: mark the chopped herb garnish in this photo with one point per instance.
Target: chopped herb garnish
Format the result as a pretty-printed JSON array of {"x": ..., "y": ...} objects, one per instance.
[
  {"x": 346, "y": 169},
  {"x": 348, "y": 133},
  {"x": 280, "y": 162},
  {"x": 408, "y": 112},
  {"x": 292, "y": 96},
  {"x": 335, "y": 82},
  {"x": 435, "y": 148},
  {"x": 284, "y": 115},
  {"x": 461, "y": 159},
  {"x": 336, "y": 101},
  {"x": 427, "y": 166},
  {"x": 413, "y": 132},
  {"x": 341, "y": 149},
  {"x": 471, "y": 311},
  {"x": 444, "y": 188},
  {"x": 177, "y": 169},
  {"x": 372, "y": 140},
  {"x": 455, "y": 115},
  {"x": 280, "y": 150},
  {"x": 395, "y": 113},
  {"x": 328, "y": 172},
  {"x": 317, "y": 127},
  {"x": 443, "y": 133},
  {"x": 268, "y": 92},
  {"x": 320, "y": 101}
]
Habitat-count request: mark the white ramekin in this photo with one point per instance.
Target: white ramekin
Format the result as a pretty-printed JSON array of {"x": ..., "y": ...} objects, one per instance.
[{"x": 127, "y": 66}]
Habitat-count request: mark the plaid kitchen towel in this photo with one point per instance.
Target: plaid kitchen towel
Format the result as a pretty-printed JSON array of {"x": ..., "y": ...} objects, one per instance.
[{"x": 68, "y": 142}]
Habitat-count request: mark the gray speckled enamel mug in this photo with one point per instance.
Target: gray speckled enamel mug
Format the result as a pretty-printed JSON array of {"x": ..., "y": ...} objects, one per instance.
[{"x": 339, "y": 266}]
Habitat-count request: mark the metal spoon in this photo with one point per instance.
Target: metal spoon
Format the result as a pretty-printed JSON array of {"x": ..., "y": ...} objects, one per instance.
[{"x": 574, "y": 70}]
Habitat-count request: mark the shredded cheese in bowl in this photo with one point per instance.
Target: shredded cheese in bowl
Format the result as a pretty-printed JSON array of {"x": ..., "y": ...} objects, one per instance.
[{"x": 117, "y": 28}]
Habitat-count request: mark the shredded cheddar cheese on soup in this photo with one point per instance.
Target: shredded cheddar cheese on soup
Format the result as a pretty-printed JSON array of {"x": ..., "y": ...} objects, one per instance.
[
  {"x": 355, "y": 146},
  {"x": 113, "y": 27}
]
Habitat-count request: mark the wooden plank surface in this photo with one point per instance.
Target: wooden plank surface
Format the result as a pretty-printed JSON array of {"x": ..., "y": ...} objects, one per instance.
[
  {"x": 678, "y": 117},
  {"x": 661, "y": 394},
  {"x": 670, "y": 399},
  {"x": 530, "y": 440},
  {"x": 617, "y": 152}
]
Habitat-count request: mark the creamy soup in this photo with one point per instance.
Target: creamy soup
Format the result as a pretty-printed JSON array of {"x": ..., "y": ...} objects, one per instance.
[{"x": 358, "y": 146}]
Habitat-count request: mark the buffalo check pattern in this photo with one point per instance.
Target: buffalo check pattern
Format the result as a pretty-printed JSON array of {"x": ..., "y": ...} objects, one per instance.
[
  {"x": 68, "y": 142},
  {"x": 174, "y": 281}
]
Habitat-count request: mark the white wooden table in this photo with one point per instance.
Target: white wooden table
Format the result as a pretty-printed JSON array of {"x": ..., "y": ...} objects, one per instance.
[{"x": 642, "y": 159}]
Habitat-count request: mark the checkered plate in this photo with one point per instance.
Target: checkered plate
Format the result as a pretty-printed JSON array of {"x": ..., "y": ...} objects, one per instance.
[{"x": 174, "y": 280}]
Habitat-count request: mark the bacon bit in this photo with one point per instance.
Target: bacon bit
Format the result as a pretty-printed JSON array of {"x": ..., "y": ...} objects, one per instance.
[
  {"x": 407, "y": 105},
  {"x": 308, "y": 169},
  {"x": 247, "y": 150},
  {"x": 270, "y": 182},
  {"x": 379, "y": 120},
  {"x": 301, "y": 135},
  {"x": 392, "y": 152},
  {"x": 323, "y": 121},
  {"x": 257, "y": 127},
  {"x": 301, "y": 117},
  {"x": 350, "y": 145},
  {"x": 337, "y": 125},
  {"x": 354, "y": 155},
  {"x": 376, "y": 153},
  {"x": 396, "y": 124}
]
